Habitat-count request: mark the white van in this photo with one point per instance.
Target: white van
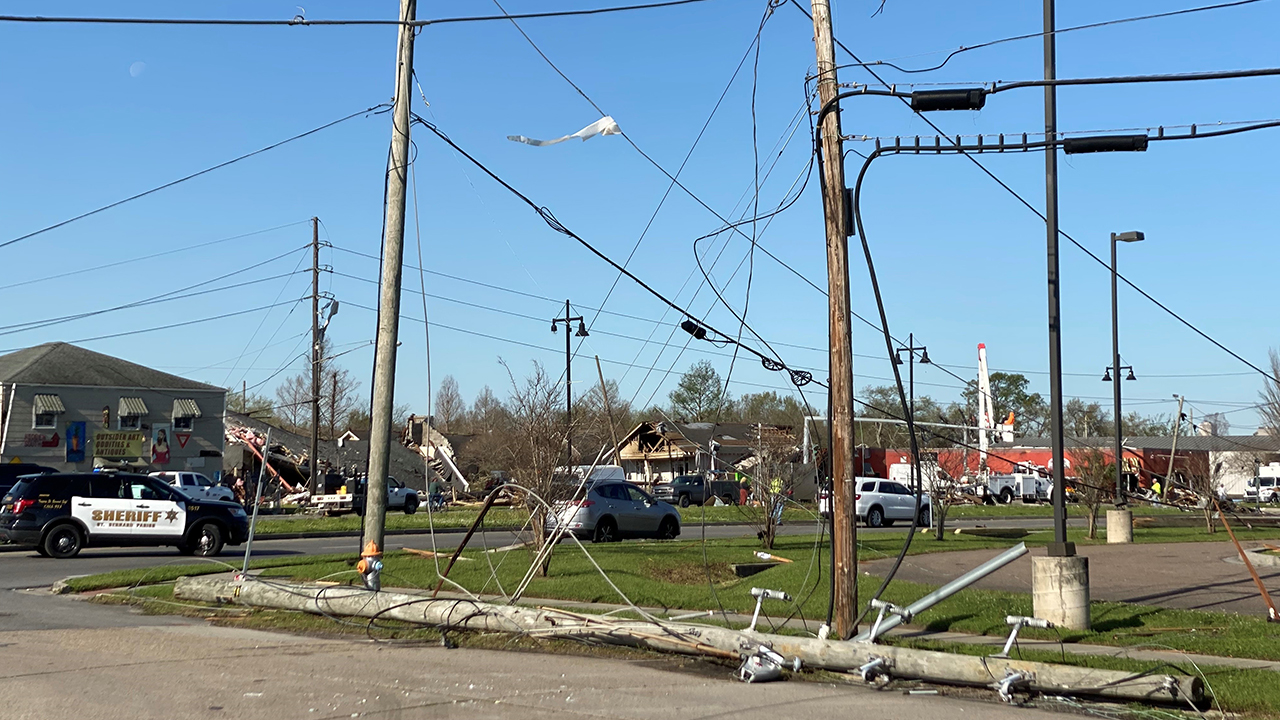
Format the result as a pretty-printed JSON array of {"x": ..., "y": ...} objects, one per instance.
[{"x": 1263, "y": 489}]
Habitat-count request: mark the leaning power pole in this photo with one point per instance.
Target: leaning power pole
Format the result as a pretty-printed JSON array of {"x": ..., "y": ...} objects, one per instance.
[
  {"x": 843, "y": 474},
  {"x": 314, "y": 457},
  {"x": 384, "y": 358}
]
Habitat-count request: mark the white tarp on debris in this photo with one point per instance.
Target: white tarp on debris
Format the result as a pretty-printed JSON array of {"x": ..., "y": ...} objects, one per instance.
[{"x": 603, "y": 126}]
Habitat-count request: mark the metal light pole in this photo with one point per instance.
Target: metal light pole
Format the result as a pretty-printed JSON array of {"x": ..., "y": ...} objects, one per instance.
[
  {"x": 568, "y": 367},
  {"x": 1116, "y": 238},
  {"x": 911, "y": 349}
]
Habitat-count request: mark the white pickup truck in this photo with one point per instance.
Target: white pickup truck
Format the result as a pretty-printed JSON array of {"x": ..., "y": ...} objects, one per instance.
[
  {"x": 399, "y": 497},
  {"x": 196, "y": 486}
]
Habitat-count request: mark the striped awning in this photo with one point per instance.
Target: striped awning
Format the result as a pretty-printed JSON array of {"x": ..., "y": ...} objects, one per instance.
[
  {"x": 48, "y": 404},
  {"x": 185, "y": 408},
  {"x": 132, "y": 407}
]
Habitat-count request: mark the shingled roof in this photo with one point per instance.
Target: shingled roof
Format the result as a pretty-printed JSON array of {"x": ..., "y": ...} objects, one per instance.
[{"x": 60, "y": 363}]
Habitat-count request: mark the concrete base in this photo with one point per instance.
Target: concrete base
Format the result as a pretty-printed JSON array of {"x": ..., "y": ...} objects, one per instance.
[
  {"x": 1119, "y": 527},
  {"x": 1060, "y": 590}
]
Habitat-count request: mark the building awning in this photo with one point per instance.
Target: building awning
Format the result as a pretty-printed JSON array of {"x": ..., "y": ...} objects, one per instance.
[
  {"x": 48, "y": 404},
  {"x": 185, "y": 408},
  {"x": 132, "y": 407}
]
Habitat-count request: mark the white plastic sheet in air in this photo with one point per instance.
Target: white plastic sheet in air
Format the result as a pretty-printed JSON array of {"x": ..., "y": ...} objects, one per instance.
[{"x": 603, "y": 126}]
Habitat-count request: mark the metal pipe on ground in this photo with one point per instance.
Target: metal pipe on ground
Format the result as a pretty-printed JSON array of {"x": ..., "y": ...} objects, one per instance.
[
  {"x": 946, "y": 591},
  {"x": 688, "y": 639}
]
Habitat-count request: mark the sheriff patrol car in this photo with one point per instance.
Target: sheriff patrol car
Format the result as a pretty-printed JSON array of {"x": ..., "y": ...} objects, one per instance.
[{"x": 61, "y": 513}]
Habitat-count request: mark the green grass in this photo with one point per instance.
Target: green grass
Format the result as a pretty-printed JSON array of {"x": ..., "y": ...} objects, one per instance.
[
  {"x": 1046, "y": 510},
  {"x": 500, "y": 517}
]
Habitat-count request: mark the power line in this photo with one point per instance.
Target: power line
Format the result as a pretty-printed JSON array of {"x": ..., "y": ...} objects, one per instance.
[
  {"x": 1028, "y": 36},
  {"x": 512, "y": 341},
  {"x": 300, "y": 20},
  {"x": 151, "y": 256},
  {"x": 1037, "y": 212},
  {"x": 170, "y": 326},
  {"x": 799, "y": 377},
  {"x": 164, "y": 297},
  {"x": 375, "y": 110}
]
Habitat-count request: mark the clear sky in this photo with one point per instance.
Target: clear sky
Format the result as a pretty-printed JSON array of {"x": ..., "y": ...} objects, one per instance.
[{"x": 95, "y": 113}]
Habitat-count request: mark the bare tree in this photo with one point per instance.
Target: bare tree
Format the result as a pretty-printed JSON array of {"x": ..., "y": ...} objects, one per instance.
[
  {"x": 338, "y": 398},
  {"x": 774, "y": 476},
  {"x": 940, "y": 473},
  {"x": 1096, "y": 475},
  {"x": 1269, "y": 409},
  {"x": 536, "y": 444},
  {"x": 449, "y": 406}
]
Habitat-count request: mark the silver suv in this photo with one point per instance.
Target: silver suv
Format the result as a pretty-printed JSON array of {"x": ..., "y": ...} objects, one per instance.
[{"x": 609, "y": 511}]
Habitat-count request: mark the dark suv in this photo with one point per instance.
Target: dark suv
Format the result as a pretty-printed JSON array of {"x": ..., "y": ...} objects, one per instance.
[
  {"x": 688, "y": 490},
  {"x": 10, "y": 472},
  {"x": 59, "y": 514}
]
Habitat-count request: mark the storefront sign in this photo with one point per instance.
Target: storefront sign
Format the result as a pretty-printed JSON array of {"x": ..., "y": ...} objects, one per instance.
[{"x": 107, "y": 444}]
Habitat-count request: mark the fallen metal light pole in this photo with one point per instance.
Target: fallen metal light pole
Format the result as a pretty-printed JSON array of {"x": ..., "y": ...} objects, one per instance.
[
  {"x": 687, "y": 639},
  {"x": 945, "y": 592}
]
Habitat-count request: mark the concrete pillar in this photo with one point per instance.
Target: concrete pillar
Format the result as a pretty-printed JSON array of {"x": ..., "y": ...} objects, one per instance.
[
  {"x": 1119, "y": 527},
  {"x": 1060, "y": 590}
]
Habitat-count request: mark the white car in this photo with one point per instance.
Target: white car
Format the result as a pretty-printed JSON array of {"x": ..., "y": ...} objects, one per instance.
[
  {"x": 880, "y": 503},
  {"x": 196, "y": 486}
]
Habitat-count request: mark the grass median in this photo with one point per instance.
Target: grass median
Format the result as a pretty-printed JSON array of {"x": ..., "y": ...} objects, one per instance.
[{"x": 497, "y": 518}]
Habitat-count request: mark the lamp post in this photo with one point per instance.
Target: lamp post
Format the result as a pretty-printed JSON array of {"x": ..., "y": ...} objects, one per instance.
[
  {"x": 1116, "y": 238},
  {"x": 911, "y": 349},
  {"x": 568, "y": 320}
]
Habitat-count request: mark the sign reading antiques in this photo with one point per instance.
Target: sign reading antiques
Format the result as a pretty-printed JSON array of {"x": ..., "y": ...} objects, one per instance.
[{"x": 128, "y": 444}]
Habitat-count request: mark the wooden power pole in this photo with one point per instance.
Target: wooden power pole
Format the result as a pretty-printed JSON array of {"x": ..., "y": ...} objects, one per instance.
[
  {"x": 313, "y": 458},
  {"x": 384, "y": 358},
  {"x": 844, "y": 538}
]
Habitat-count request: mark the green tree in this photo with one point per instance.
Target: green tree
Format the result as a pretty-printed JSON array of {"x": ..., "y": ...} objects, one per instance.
[
  {"x": 700, "y": 395},
  {"x": 1009, "y": 394},
  {"x": 770, "y": 408}
]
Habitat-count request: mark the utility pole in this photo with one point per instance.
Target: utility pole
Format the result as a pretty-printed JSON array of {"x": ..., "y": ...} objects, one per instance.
[
  {"x": 843, "y": 530},
  {"x": 568, "y": 376},
  {"x": 1059, "y": 581},
  {"x": 384, "y": 358},
  {"x": 1059, "y": 547},
  {"x": 314, "y": 456},
  {"x": 1173, "y": 447}
]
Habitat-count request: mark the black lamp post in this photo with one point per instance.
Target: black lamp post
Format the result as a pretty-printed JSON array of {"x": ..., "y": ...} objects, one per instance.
[
  {"x": 1129, "y": 237},
  {"x": 568, "y": 320}
]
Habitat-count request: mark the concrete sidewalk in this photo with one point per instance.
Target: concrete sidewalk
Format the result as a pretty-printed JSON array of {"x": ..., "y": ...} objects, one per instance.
[
  {"x": 1190, "y": 576},
  {"x": 159, "y": 673}
]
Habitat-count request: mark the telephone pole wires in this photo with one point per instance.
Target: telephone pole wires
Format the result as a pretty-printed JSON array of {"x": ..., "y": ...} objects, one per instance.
[
  {"x": 384, "y": 360},
  {"x": 313, "y": 457},
  {"x": 843, "y": 473}
]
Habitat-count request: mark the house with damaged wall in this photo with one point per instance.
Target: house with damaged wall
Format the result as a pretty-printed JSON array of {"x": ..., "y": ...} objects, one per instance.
[{"x": 657, "y": 452}]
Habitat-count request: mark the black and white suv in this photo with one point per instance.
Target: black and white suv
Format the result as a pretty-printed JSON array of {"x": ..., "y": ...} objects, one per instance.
[{"x": 60, "y": 514}]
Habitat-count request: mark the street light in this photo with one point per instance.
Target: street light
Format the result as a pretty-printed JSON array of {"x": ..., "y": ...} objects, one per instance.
[
  {"x": 568, "y": 321},
  {"x": 911, "y": 349},
  {"x": 1116, "y": 238}
]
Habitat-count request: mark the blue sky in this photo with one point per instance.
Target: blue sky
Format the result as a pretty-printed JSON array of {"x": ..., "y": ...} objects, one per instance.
[{"x": 96, "y": 113}]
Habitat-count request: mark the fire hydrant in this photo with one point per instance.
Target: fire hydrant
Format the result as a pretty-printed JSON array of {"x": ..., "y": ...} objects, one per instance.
[{"x": 370, "y": 566}]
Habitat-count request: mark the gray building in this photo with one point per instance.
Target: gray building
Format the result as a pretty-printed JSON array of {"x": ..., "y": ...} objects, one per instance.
[{"x": 75, "y": 409}]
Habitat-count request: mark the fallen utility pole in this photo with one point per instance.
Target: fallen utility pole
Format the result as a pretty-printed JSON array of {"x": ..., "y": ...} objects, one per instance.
[
  {"x": 699, "y": 640},
  {"x": 844, "y": 537},
  {"x": 384, "y": 358},
  {"x": 1272, "y": 614}
]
